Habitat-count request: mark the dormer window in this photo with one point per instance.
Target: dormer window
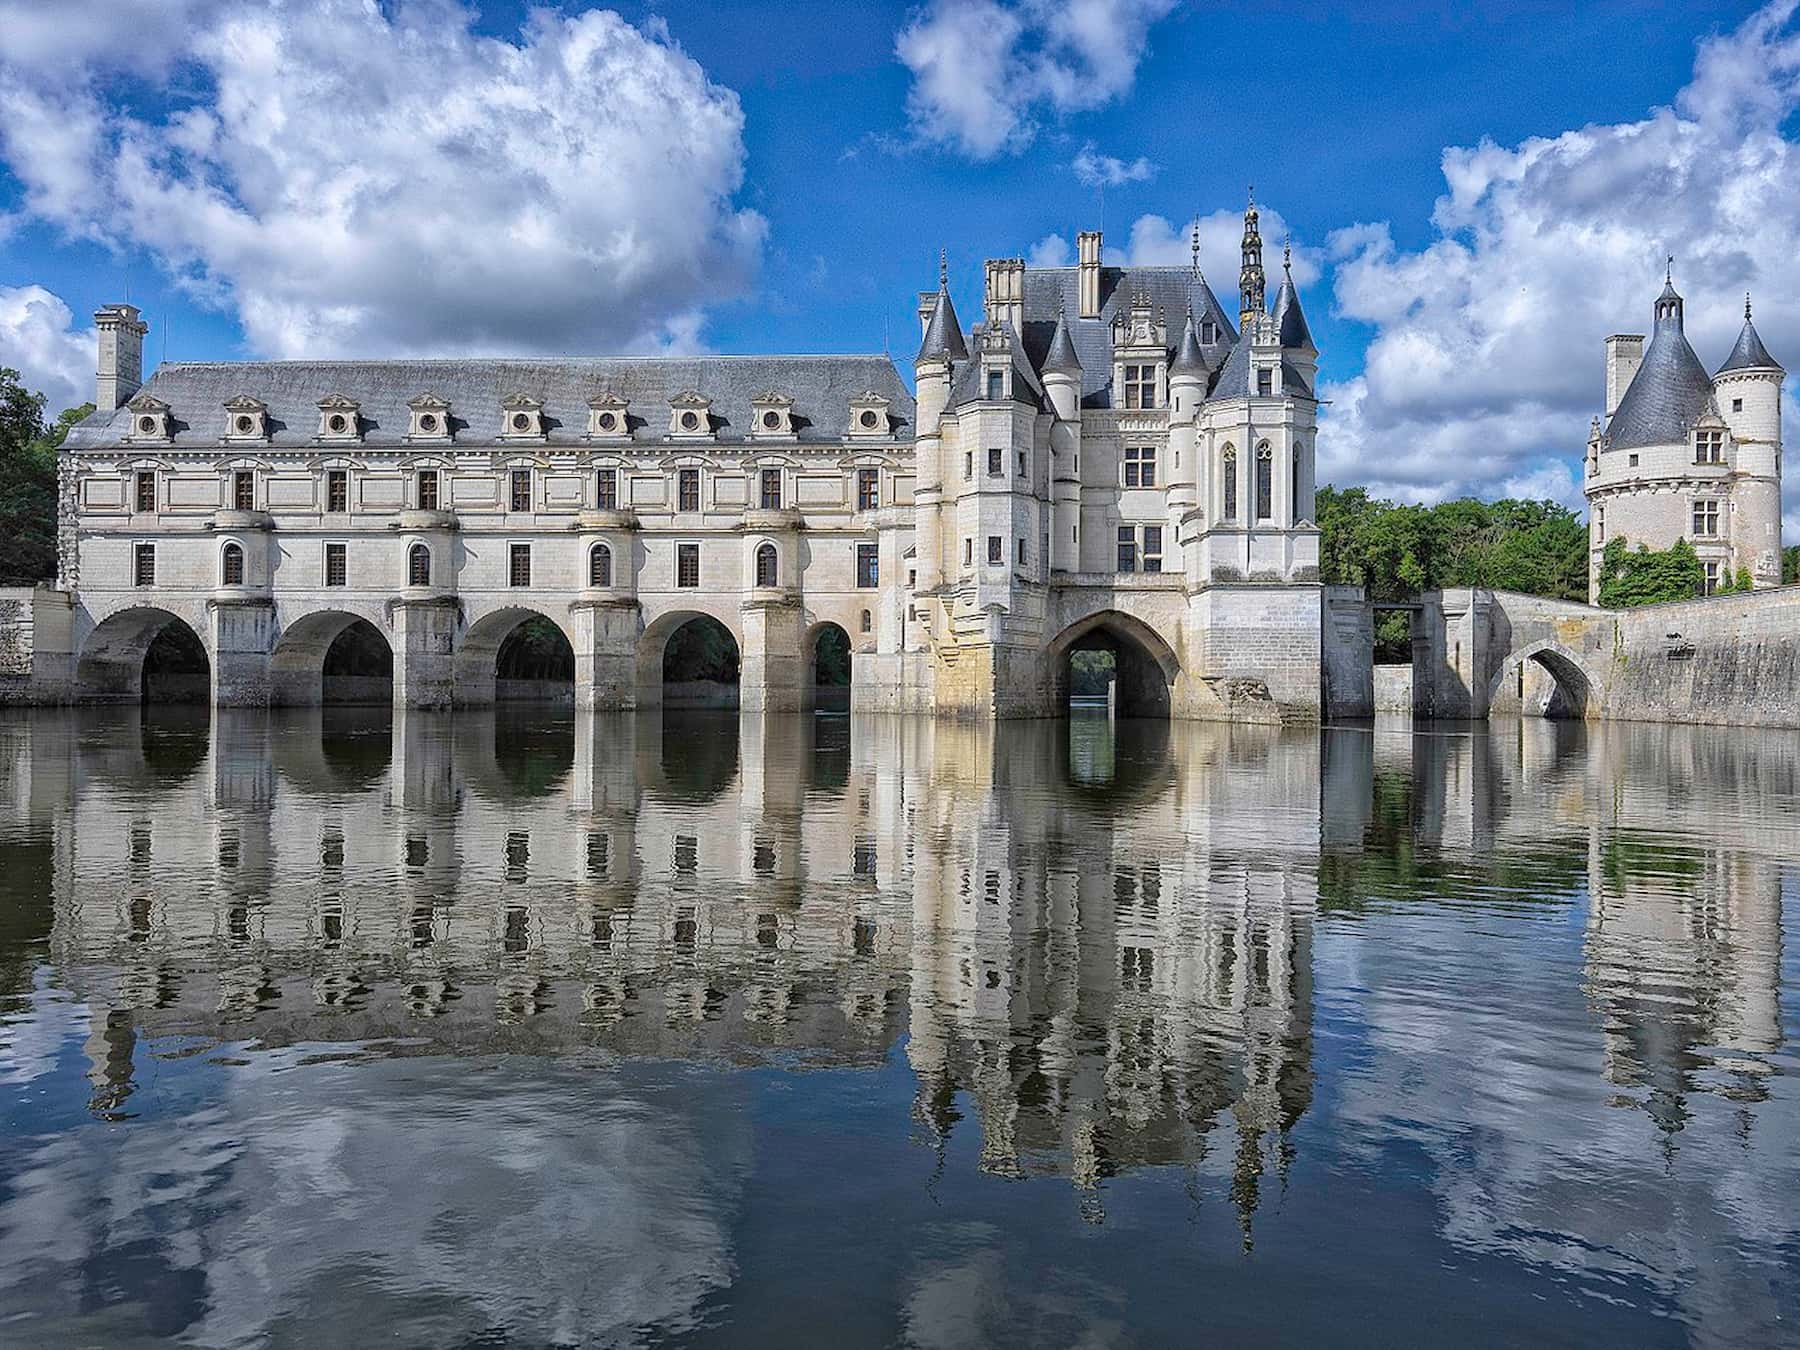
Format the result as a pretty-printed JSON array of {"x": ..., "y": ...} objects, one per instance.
[
  {"x": 246, "y": 419},
  {"x": 340, "y": 419},
  {"x": 1140, "y": 386},
  {"x": 1209, "y": 333},
  {"x": 996, "y": 385},
  {"x": 690, "y": 415},
  {"x": 869, "y": 415},
  {"x": 521, "y": 418},
  {"x": 608, "y": 417},
  {"x": 771, "y": 415},
  {"x": 1265, "y": 382},
  {"x": 149, "y": 418},
  {"x": 1709, "y": 447},
  {"x": 430, "y": 418}
]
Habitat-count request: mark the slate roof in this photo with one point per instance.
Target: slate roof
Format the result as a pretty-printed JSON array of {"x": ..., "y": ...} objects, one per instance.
[
  {"x": 821, "y": 387},
  {"x": 1189, "y": 359},
  {"x": 965, "y": 387},
  {"x": 1749, "y": 353},
  {"x": 1290, "y": 321},
  {"x": 943, "y": 334},
  {"x": 1669, "y": 392},
  {"x": 1235, "y": 378},
  {"x": 1062, "y": 358}
]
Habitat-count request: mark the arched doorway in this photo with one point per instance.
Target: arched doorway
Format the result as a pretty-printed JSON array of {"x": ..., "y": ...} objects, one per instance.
[
  {"x": 143, "y": 655},
  {"x": 830, "y": 680},
  {"x": 1111, "y": 662},
  {"x": 700, "y": 665},
  {"x": 515, "y": 656}
]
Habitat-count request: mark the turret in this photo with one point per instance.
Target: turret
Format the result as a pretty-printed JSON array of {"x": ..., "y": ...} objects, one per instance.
[
  {"x": 121, "y": 366},
  {"x": 942, "y": 346},
  {"x": 1747, "y": 391},
  {"x": 1061, "y": 373},
  {"x": 1290, "y": 324},
  {"x": 1188, "y": 376}
]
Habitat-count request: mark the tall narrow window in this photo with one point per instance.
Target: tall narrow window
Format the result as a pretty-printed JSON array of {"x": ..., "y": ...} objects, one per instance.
[
  {"x": 1140, "y": 466},
  {"x": 233, "y": 565},
  {"x": 868, "y": 489},
  {"x": 1265, "y": 482},
  {"x": 1019, "y": 550},
  {"x": 867, "y": 567},
  {"x": 1153, "y": 536},
  {"x": 766, "y": 563},
  {"x": 996, "y": 386},
  {"x": 600, "y": 566},
  {"x": 1709, "y": 582},
  {"x": 688, "y": 490},
  {"x": 968, "y": 465},
  {"x": 243, "y": 491},
  {"x": 337, "y": 490},
  {"x": 995, "y": 554},
  {"x": 687, "y": 566},
  {"x": 428, "y": 489},
  {"x": 606, "y": 490},
  {"x": 1022, "y": 472},
  {"x": 1228, "y": 473},
  {"x": 337, "y": 565},
  {"x": 968, "y": 553},
  {"x": 1265, "y": 382},
  {"x": 521, "y": 489},
  {"x": 518, "y": 572},
  {"x": 771, "y": 489},
  {"x": 418, "y": 566},
  {"x": 1294, "y": 485},
  {"x": 146, "y": 492},
  {"x": 1140, "y": 386},
  {"x": 867, "y": 621},
  {"x": 994, "y": 469},
  {"x": 143, "y": 565},
  {"x": 1127, "y": 548}
]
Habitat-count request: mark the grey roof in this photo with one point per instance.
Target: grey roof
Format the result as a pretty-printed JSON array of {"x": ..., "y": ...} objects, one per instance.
[
  {"x": 1061, "y": 358},
  {"x": 943, "y": 335},
  {"x": 1189, "y": 359},
  {"x": 1289, "y": 319},
  {"x": 1054, "y": 291},
  {"x": 821, "y": 387},
  {"x": 966, "y": 386},
  {"x": 1669, "y": 392},
  {"x": 1235, "y": 380},
  {"x": 1749, "y": 353}
]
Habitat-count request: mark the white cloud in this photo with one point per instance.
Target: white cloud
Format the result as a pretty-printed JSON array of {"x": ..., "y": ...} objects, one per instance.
[
  {"x": 1050, "y": 251},
  {"x": 1485, "y": 367},
  {"x": 358, "y": 179},
  {"x": 984, "y": 71},
  {"x": 1093, "y": 169},
  {"x": 37, "y": 338}
]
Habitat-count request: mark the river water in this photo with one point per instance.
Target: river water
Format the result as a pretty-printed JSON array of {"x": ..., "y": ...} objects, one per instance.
[{"x": 349, "y": 1028}]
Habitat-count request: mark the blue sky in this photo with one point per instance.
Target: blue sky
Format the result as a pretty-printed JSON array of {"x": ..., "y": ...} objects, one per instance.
[{"x": 337, "y": 178}]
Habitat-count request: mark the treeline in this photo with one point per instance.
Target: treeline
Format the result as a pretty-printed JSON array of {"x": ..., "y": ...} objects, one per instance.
[{"x": 28, "y": 481}]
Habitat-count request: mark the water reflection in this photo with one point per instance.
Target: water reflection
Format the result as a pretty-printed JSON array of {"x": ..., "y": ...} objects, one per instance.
[{"x": 1523, "y": 972}]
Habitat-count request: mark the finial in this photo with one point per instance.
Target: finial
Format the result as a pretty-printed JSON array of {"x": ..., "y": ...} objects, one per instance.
[
  {"x": 1196, "y": 245},
  {"x": 1287, "y": 253},
  {"x": 1669, "y": 270},
  {"x": 943, "y": 268},
  {"x": 1252, "y": 191},
  {"x": 1746, "y": 306}
]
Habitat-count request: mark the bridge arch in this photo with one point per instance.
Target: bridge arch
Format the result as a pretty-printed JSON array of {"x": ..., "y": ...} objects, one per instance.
[
  {"x": 653, "y": 652},
  {"x": 1575, "y": 692},
  {"x": 331, "y": 655},
  {"x": 144, "y": 653},
  {"x": 476, "y": 667},
  {"x": 1145, "y": 667}
]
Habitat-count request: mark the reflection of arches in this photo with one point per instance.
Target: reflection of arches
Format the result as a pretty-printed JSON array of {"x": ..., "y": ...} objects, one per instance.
[
  {"x": 539, "y": 659},
  {"x": 143, "y": 653},
  {"x": 331, "y": 656},
  {"x": 1574, "y": 692},
  {"x": 1144, "y": 667},
  {"x": 828, "y": 647},
  {"x": 688, "y": 659}
]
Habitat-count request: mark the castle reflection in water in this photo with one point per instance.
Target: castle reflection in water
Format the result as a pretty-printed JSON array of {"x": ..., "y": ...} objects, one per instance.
[{"x": 1094, "y": 944}]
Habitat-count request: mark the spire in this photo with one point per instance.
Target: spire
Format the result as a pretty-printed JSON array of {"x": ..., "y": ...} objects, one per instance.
[
  {"x": 1290, "y": 322},
  {"x": 1195, "y": 248},
  {"x": 1250, "y": 277},
  {"x": 1061, "y": 358},
  {"x": 943, "y": 335},
  {"x": 1189, "y": 360},
  {"x": 1749, "y": 352}
]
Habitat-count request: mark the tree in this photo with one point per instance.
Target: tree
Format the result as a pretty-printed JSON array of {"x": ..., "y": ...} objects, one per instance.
[
  {"x": 28, "y": 482},
  {"x": 1644, "y": 576}
]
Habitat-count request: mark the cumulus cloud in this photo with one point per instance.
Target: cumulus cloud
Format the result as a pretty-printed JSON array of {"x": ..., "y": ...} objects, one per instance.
[
  {"x": 1485, "y": 365},
  {"x": 39, "y": 340},
  {"x": 1050, "y": 251},
  {"x": 1093, "y": 169},
  {"x": 353, "y": 178},
  {"x": 985, "y": 72}
]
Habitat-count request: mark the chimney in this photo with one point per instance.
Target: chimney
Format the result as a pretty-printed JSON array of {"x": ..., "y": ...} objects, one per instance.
[
  {"x": 1087, "y": 257},
  {"x": 1005, "y": 298},
  {"x": 1624, "y": 354},
  {"x": 121, "y": 372},
  {"x": 927, "y": 306}
]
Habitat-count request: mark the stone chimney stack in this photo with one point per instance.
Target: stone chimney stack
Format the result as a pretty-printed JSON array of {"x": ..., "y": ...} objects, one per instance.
[
  {"x": 1624, "y": 354},
  {"x": 121, "y": 372},
  {"x": 927, "y": 303},
  {"x": 1005, "y": 298},
  {"x": 1087, "y": 257}
]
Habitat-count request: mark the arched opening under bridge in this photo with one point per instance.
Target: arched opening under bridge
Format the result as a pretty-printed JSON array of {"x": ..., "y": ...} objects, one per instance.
[
  {"x": 144, "y": 655},
  {"x": 830, "y": 669},
  {"x": 515, "y": 655},
  {"x": 1547, "y": 682},
  {"x": 1111, "y": 661},
  {"x": 699, "y": 664},
  {"x": 331, "y": 657}
]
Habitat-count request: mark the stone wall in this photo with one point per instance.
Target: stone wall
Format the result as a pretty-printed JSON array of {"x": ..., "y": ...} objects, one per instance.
[
  {"x": 1727, "y": 660},
  {"x": 1394, "y": 689}
]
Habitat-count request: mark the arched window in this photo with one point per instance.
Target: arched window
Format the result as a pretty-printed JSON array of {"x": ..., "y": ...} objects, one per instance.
[
  {"x": 600, "y": 566},
  {"x": 233, "y": 565},
  {"x": 1265, "y": 482},
  {"x": 868, "y": 621},
  {"x": 1228, "y": 474},
  {"x": 765, "y": 565},
  {"x": 1294, "y": 487},
  {"x": 418, "y": 566}
]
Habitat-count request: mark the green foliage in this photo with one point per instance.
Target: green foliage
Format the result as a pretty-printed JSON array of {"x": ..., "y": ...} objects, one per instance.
[
  {"x": 831, "y": 658},
  {"x": 1735, "y": 583},
  {"x": 701, "y": 649},
  {"x": 536, "y": 650},
  {"x": 1090, "y": 672},
  {"x": 28, "y": 482},
  {"x": 1790, "y": 564},
  {"x": 1644, "y": 576}
]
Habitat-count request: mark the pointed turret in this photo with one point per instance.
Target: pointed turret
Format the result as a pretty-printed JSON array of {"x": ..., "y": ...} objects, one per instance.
[
  {"x": 1061, "y": 358},
  {"x": 1251, "y": 281},
  {"x": 1290, "y": 322},
  {"x": 943, "y": 335},
  {"x": 1671, "y": 388},
  {"x": 1189, "y": 359},
  {"x": 1749, "y": 353}
]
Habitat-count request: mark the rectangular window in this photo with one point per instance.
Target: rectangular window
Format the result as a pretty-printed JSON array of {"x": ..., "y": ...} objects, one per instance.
[
  {"x": 996, "y": 386},
  {"x": 521, "y": 489},
  {"x": 968, "y": 465},
  {"x": 994, "y": 469},
  {"x": 867, "y": 566},
  {"x": 687, "y": 566},
  {"x": 143, "y": 565},
  {"x": 606, "y": 489},
  {"x": 337, "y": 565},
  {"x": 1710, "y": 581},
  {"x": 337, "y": 490},
  {"x": 518, "y": 571},
  {"x": 1737, "y": 405},
  {"x": 1019, "y": 551},
  {"x": 1600, "y": 524},
  {"x": 1140, "y": 466},
  {"x": 1153, "y": 548},
  {"x": 1265, "y": 485},
  {"x": 1709, "y": 447},
  {"x": 687, "y": 484},
  {"x": 428, "y": 489},
  {"x": 1021, "y": 464},
  {"x": 1265, "y": 382},
  {"x": 868, "y": 489},
  {"x": 243, "y": 491},
  {"x": 146, "y": 492},
  {"x": 1140, "y": 386},
  {"x": 968, "y": 553},
  {"x": 1706, "y": 519},
  {"x": 995, "y": 553},
  {"x": 1127, "y": 548},
  {"x": 771, "y": 489}
]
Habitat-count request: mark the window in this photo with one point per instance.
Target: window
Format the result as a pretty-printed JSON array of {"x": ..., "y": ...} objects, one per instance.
[
  {"x": 1265, "y": 482},
  {"x": 1706, "y": 519},
  {"x": 1140, "y": 386},
  {"x": 1209, "y": 332},
  {"x": 428, "y": 489},
  {"x": 1710, "y": 581},
  {"x": 521, "y": 489},
  {"x": 243, "y": 491},
  {"x": 1153, "y": 548},
  {"x": 337, "y": 490},
  {"x": 996, "y": 385},
  {"x": 1127, "y": 548},
  {"x": 232, "y": 568},
  {"x": 867, "y": 567},
  {"x": 600, "y": 566},
  {"x": 766, "y": 562},
  {"x": 518, "y": 572},
  {"x": 1709, "y": 447},
  {"x": 606, "y": 489},
  {"x": 143, "y": 565},
  {"x": 687, "y": 488},
  {"x": 1265, "y": 382},
  {"x": 418, "y": 566},
  {"x": 1633, "y": 461},
  {"x": 1737, "y": 405},
  {"x": 968, "y": 553},
  {"x": 995, "y": 553},
  {"x": 868, "y": 489},
  {"x": 1294, "y": 483},
  {"x": 1600, "y": 524},
  {"x": 146, "y": 492},
  {"x": 968, "y": 465},
  {"x": 994, "y": 469},
  {"x": 867, "y": 621},
  {"x": 1228, "y": 475},
  {"x": 1140, "y": 466},
  {"x": 337, "y": 565},
  {"x": 687, "y": 566},
  {"x": 771, "y": 489},
  {"x": 1019, "y": 551}
]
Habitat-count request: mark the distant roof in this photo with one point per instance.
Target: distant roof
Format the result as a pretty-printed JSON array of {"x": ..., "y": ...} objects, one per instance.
[
  {"x": 821, "y": 387},
  {"x": 1670, "y": 391}
]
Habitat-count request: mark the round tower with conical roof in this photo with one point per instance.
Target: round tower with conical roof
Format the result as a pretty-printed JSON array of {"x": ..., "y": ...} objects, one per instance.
[{"x": 1747, "y": 389}]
